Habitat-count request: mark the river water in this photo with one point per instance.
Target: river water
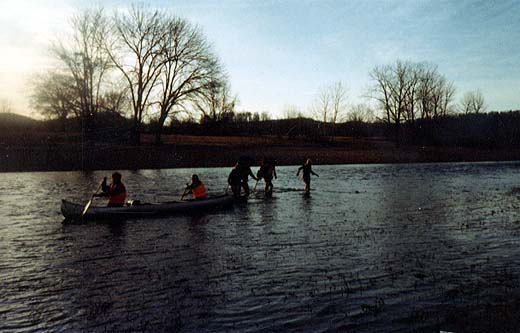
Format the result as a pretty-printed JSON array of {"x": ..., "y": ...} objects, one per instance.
[{"x": 416, "y": 247}]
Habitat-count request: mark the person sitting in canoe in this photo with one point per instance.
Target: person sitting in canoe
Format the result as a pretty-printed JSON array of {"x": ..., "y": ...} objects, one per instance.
[
  {"x": 244, "y": 168},
  {"x": 235, "y": 181},
  {"x": 116, "y": 192},
  {"x": 307, "y": 171},
  {"x": 198, "y": 191},
  {"x": 267, "y": 171}
]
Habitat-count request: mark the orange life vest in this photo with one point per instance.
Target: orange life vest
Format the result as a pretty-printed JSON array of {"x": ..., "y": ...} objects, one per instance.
[
  {"x": 118, "y": 199},
  {"x": 199, "y": 192}
]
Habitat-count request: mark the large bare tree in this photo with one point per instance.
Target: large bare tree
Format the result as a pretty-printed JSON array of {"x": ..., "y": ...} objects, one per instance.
[
  {"x": 394, "y": 89},
  {"x": 216, "y": 103},
  {"x": 136, "y": 52},
  {"x": 435, "y": 92},
  {"x": 84, "y": 61},
  {"x": 188, "y": 69},
  {"x": 405, "y": 90}
]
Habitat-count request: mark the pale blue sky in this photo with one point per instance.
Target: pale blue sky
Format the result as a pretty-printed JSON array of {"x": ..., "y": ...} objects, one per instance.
[{"x": 280, "y": 53}]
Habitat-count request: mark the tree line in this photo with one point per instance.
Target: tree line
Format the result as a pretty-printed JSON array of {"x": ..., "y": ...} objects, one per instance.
[
  {"x": 153, "y": 67},
  {"x": 150, "y": 62}
]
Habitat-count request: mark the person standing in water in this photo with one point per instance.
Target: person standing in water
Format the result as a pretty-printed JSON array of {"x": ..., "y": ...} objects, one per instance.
[
  {"x": 267, "y": 171},
  {"x": 307, "y": 171},
  {"x": 244, "y": 168},
  {"x": 235, "y": 181}
]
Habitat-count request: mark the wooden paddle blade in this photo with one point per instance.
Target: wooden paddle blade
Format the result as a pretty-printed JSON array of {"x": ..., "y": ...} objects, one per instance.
[{"x": 87, "y": 206}]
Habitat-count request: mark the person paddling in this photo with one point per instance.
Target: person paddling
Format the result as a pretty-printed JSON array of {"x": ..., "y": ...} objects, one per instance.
[
  {"x": 267, "y": 171},
  {"x": 198, "y": 190},
  {"x": 307, "y": 171},
  {"x": 116, "y": 192}
]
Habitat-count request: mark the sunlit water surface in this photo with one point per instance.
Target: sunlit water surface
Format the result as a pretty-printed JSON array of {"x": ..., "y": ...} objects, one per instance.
[{"x": 374, "y": 248}]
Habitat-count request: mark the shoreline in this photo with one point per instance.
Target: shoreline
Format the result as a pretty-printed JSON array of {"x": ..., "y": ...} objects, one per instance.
[{"x": 200, "y": 152}]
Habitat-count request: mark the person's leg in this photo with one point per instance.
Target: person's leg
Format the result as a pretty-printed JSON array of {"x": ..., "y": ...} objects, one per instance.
[
  {"x": 245, "y": 186},
  {"x": 236, "y": 190},
  {"x": 269, "y": 187},
  {"x": 307, "y": 181}
]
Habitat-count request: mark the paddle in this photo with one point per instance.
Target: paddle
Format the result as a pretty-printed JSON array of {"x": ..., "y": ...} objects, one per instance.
[
  {"x": 87, "y": 206},
  {"x": 254, "y": 188},
  {"x": 184, "y": 193}
]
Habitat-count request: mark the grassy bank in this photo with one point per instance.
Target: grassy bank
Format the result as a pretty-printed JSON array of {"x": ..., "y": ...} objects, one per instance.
[{"x": 49, "y": 152}]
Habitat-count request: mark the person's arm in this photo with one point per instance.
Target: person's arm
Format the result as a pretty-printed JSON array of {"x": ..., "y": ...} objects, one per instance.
[
  {"x": 252, "y": 175},
  {"x": 104, "y": 186},
  {"x": 104, "y": 189},
  {"x": 107, "y": 192},
  {"x": 274, "y": 172},
  {"x": 117, "y": 190},
  {"x": 299, "y": 169},
  {"x": 314, "y": 173}
]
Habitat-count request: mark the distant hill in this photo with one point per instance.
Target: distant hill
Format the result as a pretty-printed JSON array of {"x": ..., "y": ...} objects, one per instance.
[{"x": 13, "y": 121}]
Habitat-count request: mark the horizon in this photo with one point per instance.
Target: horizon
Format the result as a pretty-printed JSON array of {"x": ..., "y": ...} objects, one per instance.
[{"x": 278, "y": 54}]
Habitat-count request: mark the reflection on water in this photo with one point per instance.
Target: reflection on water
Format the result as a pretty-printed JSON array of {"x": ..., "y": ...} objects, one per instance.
[{"x": 375, "y": 247}]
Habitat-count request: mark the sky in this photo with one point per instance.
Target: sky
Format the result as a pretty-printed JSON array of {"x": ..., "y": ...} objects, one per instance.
[{"x": 279, "y": 54}]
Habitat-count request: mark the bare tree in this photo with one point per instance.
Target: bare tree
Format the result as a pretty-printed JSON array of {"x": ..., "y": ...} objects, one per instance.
[
  {"x": 322, "y": 105},
  {"x": 5, "y": 105},
  {"x": 244, "y": 116},
  {"x": 338, "y": 94},
  {"x": 448, "y": 93},
  {"x": 361, "y": 113},
  {"x": 265, "y": 116},
  {"x": 85, "y": 61},
  {"x": 136, "y": 52},
  {"x": 292, "y": 112},
  {"x": 435, "y": 93},
  {"x": 394, "y": 87},
  {"x": 189, "y": 70},
  {"x": 330, "y": 105},
  {"x": 472, "y": 102},
  {"x": 55, "y": 96},
  {"x": 216, "y": 103},
  {"x": 407, "y": 90},
  {"x": 115, "y": 101}
]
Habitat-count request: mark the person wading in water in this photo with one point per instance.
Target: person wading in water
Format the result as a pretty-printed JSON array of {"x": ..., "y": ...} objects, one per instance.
[
  {"x": 307, "y": 171},
  {"x": 235, "y": 181},
  {"x": 244, "y": 167},
  {"x": 267, "y": 171}
]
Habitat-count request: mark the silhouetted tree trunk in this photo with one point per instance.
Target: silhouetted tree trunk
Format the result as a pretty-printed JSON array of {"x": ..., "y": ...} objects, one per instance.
[{"x": 136, "y": 53}]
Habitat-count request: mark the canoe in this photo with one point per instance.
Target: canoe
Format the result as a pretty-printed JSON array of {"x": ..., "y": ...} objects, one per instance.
[{"x": 72, "y": 211}]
